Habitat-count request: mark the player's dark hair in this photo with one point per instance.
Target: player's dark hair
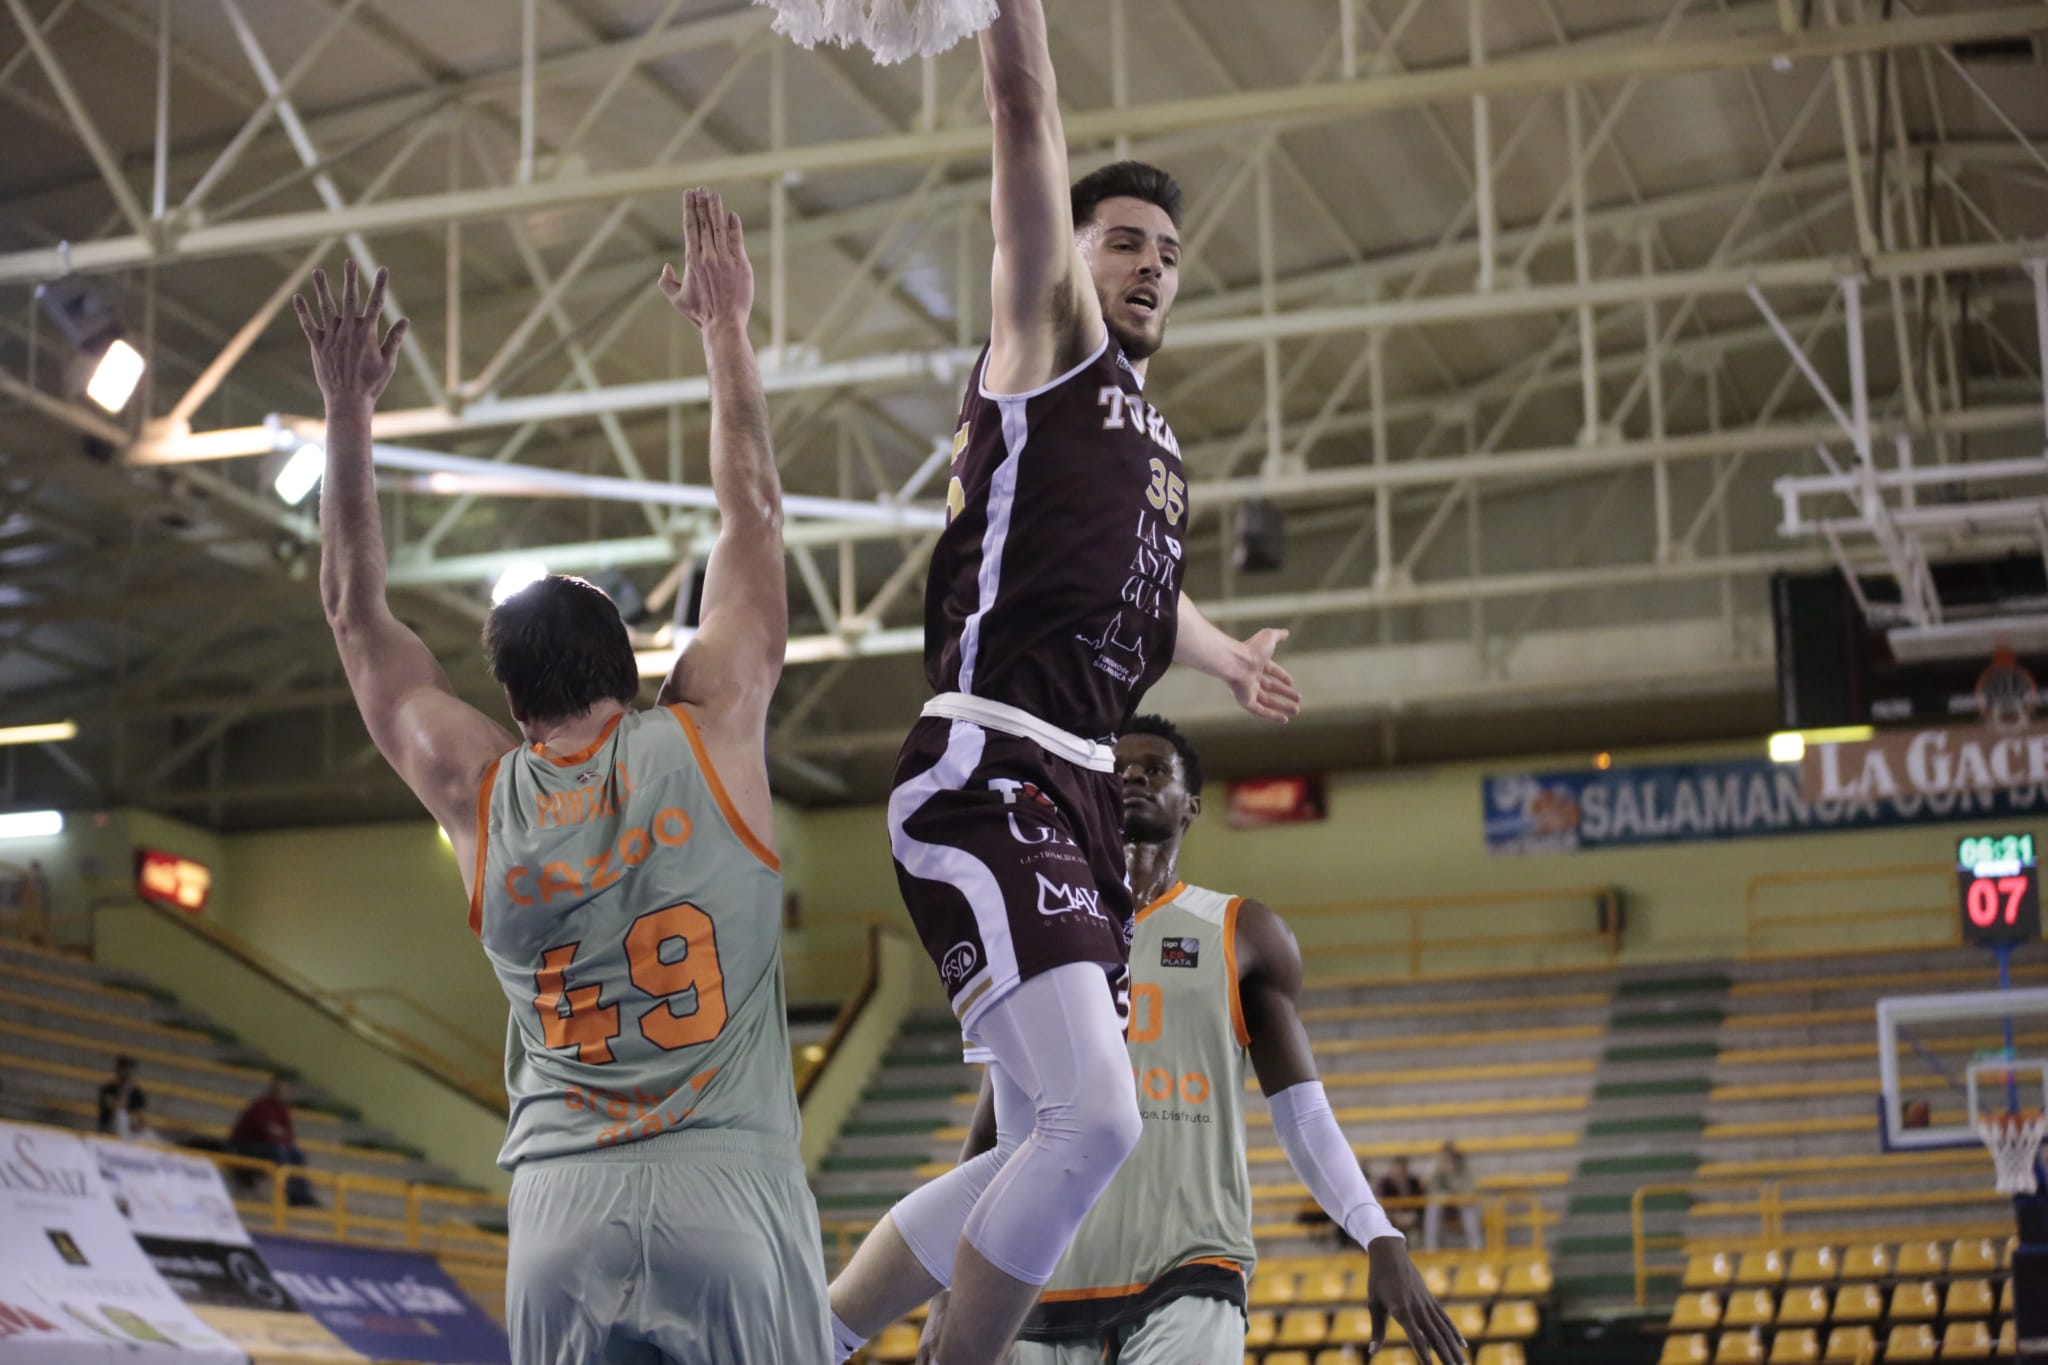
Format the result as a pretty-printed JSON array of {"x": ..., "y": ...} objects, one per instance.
[
  {"x": 1190, "y": 761},
  {"x": 558, "y": 648},
  {"x": 1126, "y": 180}
]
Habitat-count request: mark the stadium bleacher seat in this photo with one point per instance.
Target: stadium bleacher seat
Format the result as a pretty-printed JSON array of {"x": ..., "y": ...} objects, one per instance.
[
  {"x": 1814, "y": 1264},
  {"x": 1475, "y": 1280},
  {"x": 1287, "y": 1358},
  {"x": 1468, "y": 1318},
  {"x": 1502, "y": 1353},
  {"x": 1739, "y": 1348},
  {"x": 1803, "y": 1308},
  {"x": 1866, "y": 1261},
  {"x": 2005, "y": 1301},
  {"x": 1922, "y": 1259},
  {"x": 1394, "y": 1355},
  {"x": 1761, "y": 1267},
  {"x": 1916, "y": 1301},
  {"x": 2008, "y": 1337},
  {"x": 1859, "y": 1303},
  {"x": 1436, "y": 1278},
  {"x": 1973, "y": 1256},
  {"x": 1274, "y": 1289},
  {"x": 1513, "y": 1319},
  {"x": 1527, "y": 1279},
  {"x": 1260, "y": 1327},
  {"x": 897, "y": 1342},
  {"x": 1351, "y": 1327},
  {"x": 1689, "y": 1349},
  {"x": 1794, "y": 1348},
  {"x": 1850, "y": 1345},
  {"x": 1341, "y": 1355},
  {"x": 1709, "y": 1271},
  {"x": 1700, "y": 1312},
  {"x": 1915, "y": 1341},
  {"x": 1324, "y": 1286},
  {"x": 1750, "y": 1308},
  {"x": 1304, "y": 1327},
  {"x": 1966, "y": 1341},
  {"x": 1968, "y": 1299}
]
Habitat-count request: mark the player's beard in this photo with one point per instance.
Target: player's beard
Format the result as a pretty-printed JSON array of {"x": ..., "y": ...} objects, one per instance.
[
  {"x": 1137, "y": 345},
  {"x": 1146, "y": 829}
]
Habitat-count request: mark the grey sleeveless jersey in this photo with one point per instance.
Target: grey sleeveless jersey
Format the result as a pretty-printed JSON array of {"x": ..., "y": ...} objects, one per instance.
[
  {"x": 635, "y": 924},
  {"x": 1177, "y": 1219}
]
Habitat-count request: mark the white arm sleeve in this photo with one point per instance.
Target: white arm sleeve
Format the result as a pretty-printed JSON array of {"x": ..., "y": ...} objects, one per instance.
[{"x": 1316, "y": 1148}]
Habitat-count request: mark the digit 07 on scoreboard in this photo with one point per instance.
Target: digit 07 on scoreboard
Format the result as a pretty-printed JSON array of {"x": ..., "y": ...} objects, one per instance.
[{"x": 1999, "y": 884}]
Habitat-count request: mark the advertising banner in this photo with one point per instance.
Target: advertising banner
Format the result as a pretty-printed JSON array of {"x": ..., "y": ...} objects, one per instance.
[
  {"x": 75, "y": 1288},
  {"x": 389, "y": 1305},
  {"x": 182, "y": 1216},
  {"x": 1277, "y": 801},
  {"x": 1571, "y": 812},
  {"x": 1894, "y": 763}
]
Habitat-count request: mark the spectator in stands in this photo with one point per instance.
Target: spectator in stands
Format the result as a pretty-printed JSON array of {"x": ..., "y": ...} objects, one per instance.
[
  {"x": 264, "y": 1131},
  {"x": 122, "y": 1102},
  {"x": 1399, "y": 1183},
  {"x": 1450, "y": 1183}
]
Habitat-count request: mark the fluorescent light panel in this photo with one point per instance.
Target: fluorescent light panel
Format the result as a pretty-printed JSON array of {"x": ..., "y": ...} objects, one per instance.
[
  {"x": 115, "y": 377},
  {"x": 54, "y": 732},
  {"x": 31, "y": 824},
  {"x": 301, "y": 473}
]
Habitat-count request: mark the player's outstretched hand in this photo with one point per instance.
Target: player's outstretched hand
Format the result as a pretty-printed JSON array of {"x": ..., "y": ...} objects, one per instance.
[
  {"x": 1394, "y": 1289},
  {"x": 1262, "y": 686},
  {"x": 349, "y": 359},
  {"x": 717, "y": 283}
]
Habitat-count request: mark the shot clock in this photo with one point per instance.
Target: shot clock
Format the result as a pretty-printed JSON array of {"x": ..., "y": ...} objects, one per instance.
[{"x": 2000, "y": 888}]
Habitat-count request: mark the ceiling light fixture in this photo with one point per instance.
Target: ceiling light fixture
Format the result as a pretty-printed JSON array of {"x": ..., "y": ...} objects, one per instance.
[
  {"x": 115, "y": 376},
  {"x": 52, "y": 732},
  {"x": 301, "y": 473},
  {"x": 31, "y": 824}
]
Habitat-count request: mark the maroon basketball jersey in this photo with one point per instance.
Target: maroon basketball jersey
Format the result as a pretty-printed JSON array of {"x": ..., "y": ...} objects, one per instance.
[{"x": 1055, "y": 587}]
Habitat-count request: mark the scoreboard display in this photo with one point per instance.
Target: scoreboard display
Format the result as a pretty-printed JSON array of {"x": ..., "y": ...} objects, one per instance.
[{"x": 1999, "y": 884}]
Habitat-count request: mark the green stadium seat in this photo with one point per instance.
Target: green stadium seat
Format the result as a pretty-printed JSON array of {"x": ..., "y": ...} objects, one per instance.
[
  {"x": 1740, "y": 1348},
  {"x": 1699, "y": 1312},
  {"x": 1921, "y": 1259},
  {"x": 1689, "y": 1349},
  {"x": 1807, "y": 1307},
  {"x": 1966, "y": 1341},
  {"x": 1794, "y": 1348},
  {"x": 1761, "y": 1267},
  {"x": 1750, "y": 1308},
  {"x": 1709, "y": 1271},
  {"x": 1968, "y": 1299},
  {"x": 1850, "y": 1346},
  {"x": 1915, "y": 1341},
  {"x": 1859, "y": 1303},
  {"x": 1917, "y": 1301}
]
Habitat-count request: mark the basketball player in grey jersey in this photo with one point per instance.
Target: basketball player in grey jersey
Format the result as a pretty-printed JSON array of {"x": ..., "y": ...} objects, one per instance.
[
  {"x": 622, "y": 880},
  {"x": 1157, "y": 1274}
]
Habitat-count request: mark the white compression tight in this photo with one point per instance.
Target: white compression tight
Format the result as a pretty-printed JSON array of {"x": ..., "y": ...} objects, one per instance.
[{"x": 1066, "y": 1117}]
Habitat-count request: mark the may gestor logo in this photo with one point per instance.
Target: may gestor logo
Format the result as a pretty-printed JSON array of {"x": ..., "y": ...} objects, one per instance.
[{"x": 1180, "y": 952}]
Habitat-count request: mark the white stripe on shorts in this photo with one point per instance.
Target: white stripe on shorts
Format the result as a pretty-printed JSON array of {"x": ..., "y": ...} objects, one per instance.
[{"x": 956, "y": 867}]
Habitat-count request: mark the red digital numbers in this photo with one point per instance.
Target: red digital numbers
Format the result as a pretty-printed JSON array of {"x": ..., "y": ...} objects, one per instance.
[{"x": 1984, "y": 901}]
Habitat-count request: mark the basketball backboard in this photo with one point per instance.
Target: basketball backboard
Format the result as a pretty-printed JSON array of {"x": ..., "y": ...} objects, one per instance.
[{"x": 1945, "y": 1059}]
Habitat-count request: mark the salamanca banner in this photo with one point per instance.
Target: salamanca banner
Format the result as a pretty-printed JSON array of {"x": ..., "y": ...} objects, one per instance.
[{"x": 1572, "y": 812}]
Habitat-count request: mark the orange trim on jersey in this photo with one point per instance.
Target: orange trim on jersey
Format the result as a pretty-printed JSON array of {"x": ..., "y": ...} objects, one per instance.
[
  {"x": 483, "y": 843},
  {"x": 1126, "y": 1290},
  {"x": 1237, "y": 1027},
  {"x": 718, "y": 793},
  {"x": 571, "y": 760},
  {"x": 1168, "y": 894}
]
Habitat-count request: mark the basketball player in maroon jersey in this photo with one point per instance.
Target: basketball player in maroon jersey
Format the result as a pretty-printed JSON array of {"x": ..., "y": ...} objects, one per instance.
[{"x": 1054, "y": 602}]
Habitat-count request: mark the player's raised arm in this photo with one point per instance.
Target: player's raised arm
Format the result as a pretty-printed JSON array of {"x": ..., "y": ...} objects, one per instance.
[
  {"x": 1269, "y": 987},
  {"x": 732, "y": 665},
  {"x": 1044, "y": 314},
  {"x": 1261, "y": 686},
  {"x": 436, "y": 742}
]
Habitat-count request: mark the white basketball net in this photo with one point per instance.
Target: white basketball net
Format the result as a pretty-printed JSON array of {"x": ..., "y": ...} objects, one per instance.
[
  {"x": 2014, "y": 1141},
  {"x": 890, "y": 29}
]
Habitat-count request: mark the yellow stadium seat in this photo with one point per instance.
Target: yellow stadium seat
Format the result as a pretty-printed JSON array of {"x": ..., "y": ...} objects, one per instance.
[
  {"x": 1850, "y": 1345},
  {"x": 1973, "y": 1256},
  {"x": 1287, "y": 1358},
  {"x": 1274, "y": 1289},
  {"x": 1341, "y": 1355},
  {"x": 1814, "y": 1263},
  {"x": 2008, "y": 1337},
  {"x": 1394, "y": 1355},
  {"x": 1966, "y": 1341},
  {"x": 1259, "y": 1329},
  {"x": 1700, "y": 1312},
  {"x": 1690, "y": 1349},
  {"x": 1803, "y": 1307},
  {"x": 1761, "y": 1267},
  {"x": 1708, "y": 1271},
  {"x": 1468, "y": 1318},
  {"x": 1502, "y": 1353},
  {"x": 1325, "y": 1286},
  {"x": 1395, "y": 1331},
  {"x": 1476, "y": 1280},
  {"x": 1794, "y": 1348},
  {"x": 1859, "y": 1303},
  {"x": 1866, "y": 1261},
  {"x": 2005, "y": 1300},
  {"x": 1740, "y": 1348},
  {"x": 1436, "y": 1278},
  {"x": 1750, "y": 1308},
  {"x": 897, "y": 1342},
  {"x": 1969, "y": 1299},
  {"x": 1514, "y": 1319},
  {"x": 1921, "y": 1259},
  {"x": 1914, "y": 1342},
  {"x": 1304, "y": 1327},
  {"x": 1528, "y": 1279},
  {"x": 1916, "y": 1301},
  {"x": 1351, "y": 1327}
]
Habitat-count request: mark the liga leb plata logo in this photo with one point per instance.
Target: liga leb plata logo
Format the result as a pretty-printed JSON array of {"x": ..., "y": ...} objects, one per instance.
[{"x": 1180, "y": 952}]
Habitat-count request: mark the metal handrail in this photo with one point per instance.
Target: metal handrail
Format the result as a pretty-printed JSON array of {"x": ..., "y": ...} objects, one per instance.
[
  {"x": 1416, "y": 912},
  {"x": 1756, "y": 925}
]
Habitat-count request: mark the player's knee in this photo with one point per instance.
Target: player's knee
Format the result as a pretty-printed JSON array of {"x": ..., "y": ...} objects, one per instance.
[{"x": 1096, "y": 1130}]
